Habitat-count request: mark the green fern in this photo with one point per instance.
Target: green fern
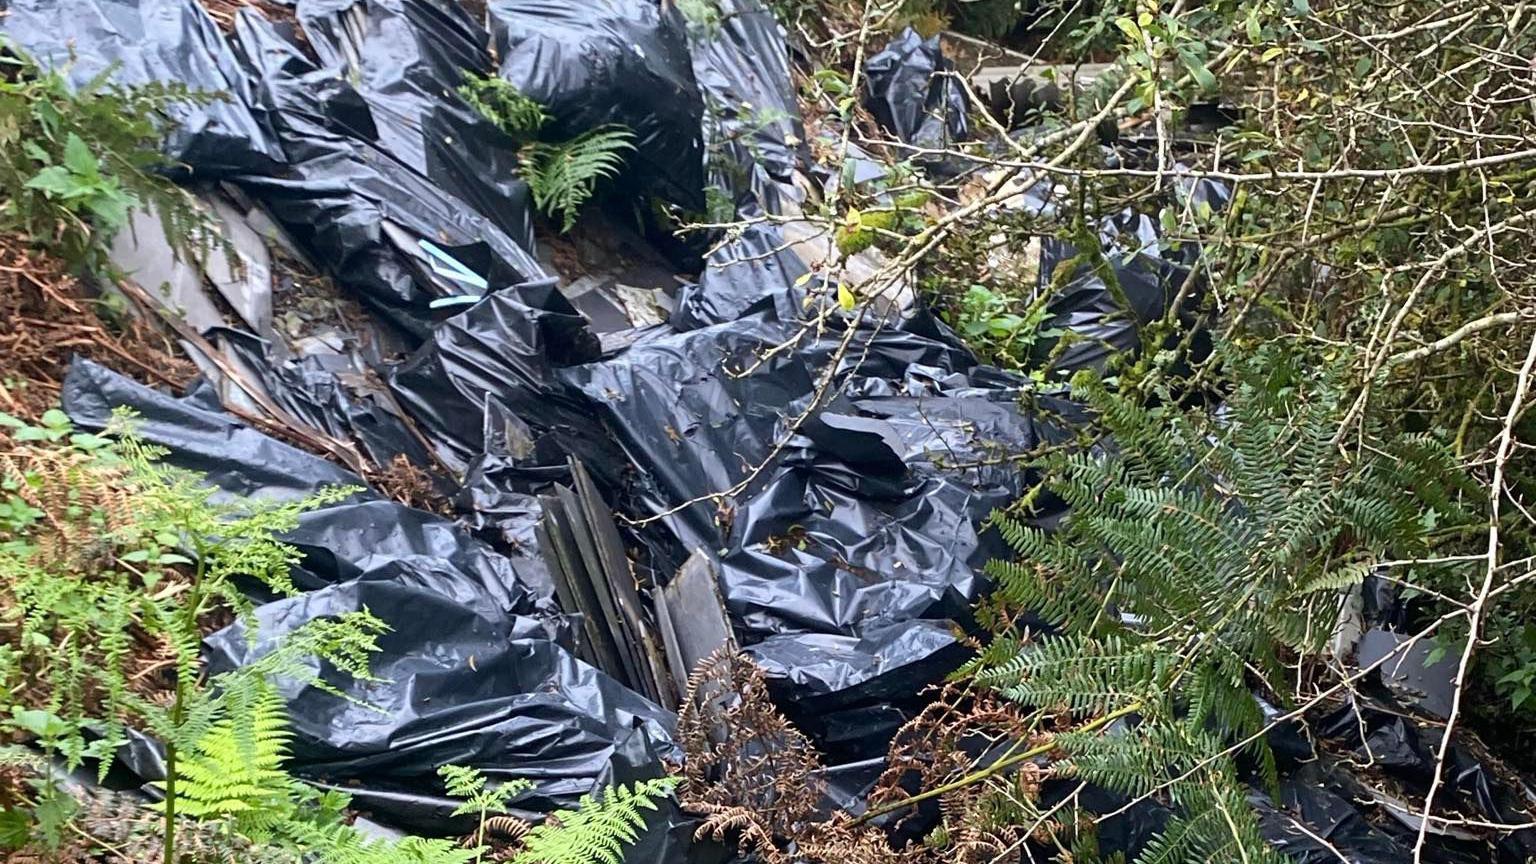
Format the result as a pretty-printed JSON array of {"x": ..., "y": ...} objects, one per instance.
[
  {"x": 102, "y": 544},
  {"x": 480, "y": 798},
  {"x": 597, "y": 831},
  {"x": 499, "y": 101},
  {"x": 235, "y": 769},
  {"x": 1087, "y": 676},
  {"x": 76, "y": 160},
  {"x": 563, "y": 176},
  {"x": 338, "y": 843},
  {"x": 1198, "y": 550}
]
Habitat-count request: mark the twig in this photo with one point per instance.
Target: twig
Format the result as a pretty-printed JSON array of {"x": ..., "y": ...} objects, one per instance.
[{"x": 1474, "y": 627}]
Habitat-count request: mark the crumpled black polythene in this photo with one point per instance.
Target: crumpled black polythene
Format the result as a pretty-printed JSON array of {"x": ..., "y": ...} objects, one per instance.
[
  {"x": 1150, "y": 272},
  {"x": 752, "y": 121},
  {"x": 476, "y": 668},
  {"x": 373, "y": 169},
  {"x": 155, "y": 41},
  {"x": 846, "y": 558},
  {"x": 607, "y": 62},
  {"x": 357, "y": 173},
  {"x": 911, "y": 93}
]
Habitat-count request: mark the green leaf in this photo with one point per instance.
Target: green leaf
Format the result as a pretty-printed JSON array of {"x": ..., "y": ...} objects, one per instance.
[
  {"x": 53, "y": 813},
  {"x": 110, "y": 207},
  {"x": 1198, "y": 69},
  {"x": 15, "y": 829},
  {"x": 87, "y": 441},
  {"x": 845, "y": 297},
  {"x": 1129, "y": 28},
  {"x": 36, "y": 153},
  {"x": 79, "y": 158},
  {"x": 43, "y": 724},
  {"x": 55, "y": 180},
  {"x": 1255, "y": 33}
]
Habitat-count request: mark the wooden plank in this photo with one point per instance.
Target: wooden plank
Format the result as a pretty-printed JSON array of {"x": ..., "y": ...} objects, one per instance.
[
  {"x": 669, "y": 641},
  {"x": 587, "y": 646}
]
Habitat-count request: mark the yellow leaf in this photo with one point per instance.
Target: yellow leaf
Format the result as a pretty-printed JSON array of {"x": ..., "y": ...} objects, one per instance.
[{"x": 845, "y": 297}]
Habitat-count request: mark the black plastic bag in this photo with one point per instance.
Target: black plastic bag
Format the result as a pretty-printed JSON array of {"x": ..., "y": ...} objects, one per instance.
[
  {"x": 848, "y": 554},
  {"x": 476, "y": 668},
  {"x": 485, "y": 391},
  {"x": 752, "y": 130},
  {"x": 911, "y": 93},
  {"x": 233, "y": 456},
  {"x": 1151, "y": 273},
  {"x": 359, "y": 208},
  {"x": 155, "y": 41},
  {"x": 329, "y": 393},
  {"x": 753, "y": 273},
  {"x": 462, "y": 680},
  {"x": 406, "y": 59},
  {"x": 611, "y": 61}
]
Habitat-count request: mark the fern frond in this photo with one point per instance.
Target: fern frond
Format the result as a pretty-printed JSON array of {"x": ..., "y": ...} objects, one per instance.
[
  {"x": 597, "y": 831},
  {"x": 499, "y": 101},
  {"x": 563, "y": 176},
  {"x": 1087, "y": 675},
  {"x": 235, "y": 769},
  {"x": 1214, "y": 824}
]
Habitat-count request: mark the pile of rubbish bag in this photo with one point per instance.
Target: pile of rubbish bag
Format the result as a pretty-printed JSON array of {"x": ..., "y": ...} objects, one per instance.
[{"x": 837, "y": 491}]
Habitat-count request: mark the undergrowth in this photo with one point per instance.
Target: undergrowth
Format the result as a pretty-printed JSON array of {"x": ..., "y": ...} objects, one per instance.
[
  {"x": 112, "y": 564},
  {"x": 75, "y": 160},
  {"x": 1201, "y": 554}
]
